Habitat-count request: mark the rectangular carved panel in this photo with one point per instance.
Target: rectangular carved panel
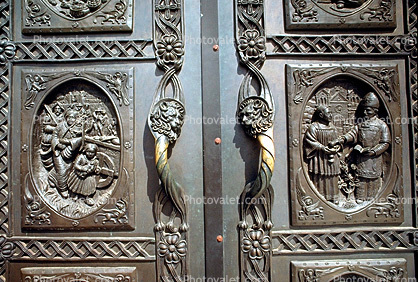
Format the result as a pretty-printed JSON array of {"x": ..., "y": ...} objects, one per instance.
[
  {"x": 346, "y": 144},
  {"x": 349, "y": 270},
  {"x": 340, "y": 14},
  {"x": 46, "y": 16},
  {"x": 122, "y": 274},
  {"x": 77, "y": 156}
]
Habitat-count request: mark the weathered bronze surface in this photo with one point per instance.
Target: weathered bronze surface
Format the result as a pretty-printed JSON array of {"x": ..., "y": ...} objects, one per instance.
[
  {"x": 126, "y": 156},
  {"x": 76, "y": 149},
  {"x": 346, "y": 144}
]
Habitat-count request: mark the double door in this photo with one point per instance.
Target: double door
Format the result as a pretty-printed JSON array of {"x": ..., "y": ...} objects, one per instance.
[{"x": 247, "y": 140}]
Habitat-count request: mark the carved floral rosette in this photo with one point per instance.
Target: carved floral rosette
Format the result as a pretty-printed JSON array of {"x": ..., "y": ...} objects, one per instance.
[
  {"x": 340, "y": 14},
  {"x": 384, "y": 270},
  {"x": 50, "y": 16},
  {"x": 342, "y": 183},
  {"x": 76, "y": 154}
]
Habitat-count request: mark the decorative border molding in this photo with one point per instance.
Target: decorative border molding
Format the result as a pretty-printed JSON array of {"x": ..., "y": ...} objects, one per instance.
[
  {"x": 6, "y": 248},
  {"x": 83, "y": 50},
  {"x": 413, "y": 84},
  {"x": 329, "y": 241},
  {"x": 121, "y": 248},
  {"x": 165, "y": 120},
  {"x": 360, "y": 45}
]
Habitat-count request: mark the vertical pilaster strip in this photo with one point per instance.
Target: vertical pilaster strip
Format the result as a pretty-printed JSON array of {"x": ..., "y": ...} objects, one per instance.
[
  {"x": 256, "y": 113},
  {"x": 412, "y": 48},
  {"x": 7, "y": 53},
  {"x": 165, "y": 120}
]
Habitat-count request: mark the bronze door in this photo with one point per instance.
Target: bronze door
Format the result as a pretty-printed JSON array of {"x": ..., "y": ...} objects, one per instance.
[{"x": 242, "y": 140}]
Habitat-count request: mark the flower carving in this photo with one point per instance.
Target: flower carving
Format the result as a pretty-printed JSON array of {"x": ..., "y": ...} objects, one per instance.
[
  {"x": 6, "y": 249},
  {"x": 170, "y": 49},
  {"x": 172, "y": 249},
  {"x": 252, "y": 44},
  {"x": 7, "y": 50},
  {"x": 256, "y": 244}
]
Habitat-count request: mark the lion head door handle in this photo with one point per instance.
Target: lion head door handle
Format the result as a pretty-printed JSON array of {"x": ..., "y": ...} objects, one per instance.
[
  {"x": 165, "y": 120},
  {"x": 256, "y": 113}
]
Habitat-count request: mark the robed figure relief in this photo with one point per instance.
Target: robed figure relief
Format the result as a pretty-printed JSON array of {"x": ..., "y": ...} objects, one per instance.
[
  {"x": 344, "y": 143},
  {"x": 77, "y": 147},
  {"x": 323, "y": 160},
  {"x": 370, "y": 138}
]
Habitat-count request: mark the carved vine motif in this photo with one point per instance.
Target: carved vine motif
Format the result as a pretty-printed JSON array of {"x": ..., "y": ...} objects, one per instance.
[
  {"x": 256, "y": 114},
  {"x": 37, "y": 14},
  {"x": 7, "y": 51},
  {"x": 304, "y": 11},
  {"x": 77, "y": 153},
  {"x": 383, "y": 12},
  {"x": 165, "y": 121},
  {"x": 116, "y": 215}
]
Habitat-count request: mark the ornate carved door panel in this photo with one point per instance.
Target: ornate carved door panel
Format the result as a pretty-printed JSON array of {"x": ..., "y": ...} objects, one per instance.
[
  {"x": 336, "y": 81},
  {"x": 94, "y": 97},
  {"x": 122, "y": 158}
]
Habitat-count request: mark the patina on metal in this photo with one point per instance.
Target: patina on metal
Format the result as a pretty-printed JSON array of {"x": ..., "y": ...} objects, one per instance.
[{"x": 165, "y": 120}]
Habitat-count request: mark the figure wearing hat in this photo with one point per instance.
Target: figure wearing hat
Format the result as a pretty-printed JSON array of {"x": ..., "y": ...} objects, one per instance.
[{"x": 371, "y": 137}]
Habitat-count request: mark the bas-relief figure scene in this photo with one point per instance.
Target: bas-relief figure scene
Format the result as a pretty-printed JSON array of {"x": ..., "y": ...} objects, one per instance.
[
  {"x": 76, "y": 150},
  {"x": 346, "y": 143}
]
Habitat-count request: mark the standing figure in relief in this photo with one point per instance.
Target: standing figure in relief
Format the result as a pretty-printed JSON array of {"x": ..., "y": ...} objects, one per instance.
[
  {"x": 323, "y": 161},
  {"x": 65, "y": 144},
  {"x": 371, "y": 138}
]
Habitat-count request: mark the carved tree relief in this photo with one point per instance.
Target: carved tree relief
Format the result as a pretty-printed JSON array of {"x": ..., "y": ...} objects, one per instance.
[
  {"x": 345, "y": 156},
  {"x": 74, "y": 151}
]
